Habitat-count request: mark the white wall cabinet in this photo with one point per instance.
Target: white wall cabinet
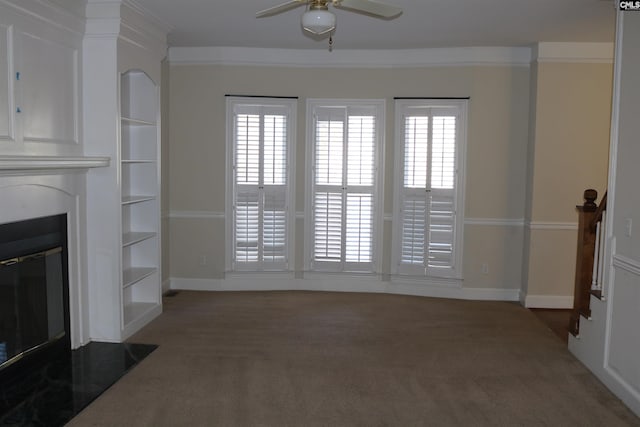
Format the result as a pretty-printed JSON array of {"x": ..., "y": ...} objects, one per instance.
[
  {"x": 140, "y": 191},
  {"x": 39, "y": 85},
  {"x": 46, "y": 89}
]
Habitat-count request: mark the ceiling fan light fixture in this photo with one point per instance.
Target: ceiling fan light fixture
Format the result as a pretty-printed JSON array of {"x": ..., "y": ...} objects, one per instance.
[{"x": 318, "y": 21}]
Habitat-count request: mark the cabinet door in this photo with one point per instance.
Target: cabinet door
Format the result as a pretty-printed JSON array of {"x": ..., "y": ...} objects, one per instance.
[
  {"x": 47, "y": 96},
  {"x": 6, "y": 132}
]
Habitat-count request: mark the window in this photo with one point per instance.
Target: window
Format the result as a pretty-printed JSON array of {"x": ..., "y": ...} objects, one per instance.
[
  {"x": 260, "y": 153},
  {"x": 430, "y": 146},
  {"x": 343, "y": 202}
]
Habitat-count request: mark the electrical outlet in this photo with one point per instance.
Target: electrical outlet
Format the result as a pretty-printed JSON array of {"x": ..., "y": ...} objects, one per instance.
[
  {"x": 628, "y": 224},
  {"x": 203, "y": 260},
  {"x": 485, "y": 268}
]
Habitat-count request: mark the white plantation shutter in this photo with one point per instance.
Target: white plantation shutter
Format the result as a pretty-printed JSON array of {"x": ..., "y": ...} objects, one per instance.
[
  {"x": 416, "y": 147},
  {"x": 247, "y": 148},
  {"x": 260, "y": 186},
  {"x": 329, "y": 148},
  {"x": 359, "y": 228},
  {"x": 344, "y": 146},
  {"x": 426, "y": 235},
  {"x": 442, "y": 214},
  {"x": 274, "y": 226},
  {"x": 414, "y": 227},
  {"x": 328, "y": 226},
  {"x": 440, "y": 237},
  {"x": 247, "y": 226},
  {"x": 275, "y": 150}
]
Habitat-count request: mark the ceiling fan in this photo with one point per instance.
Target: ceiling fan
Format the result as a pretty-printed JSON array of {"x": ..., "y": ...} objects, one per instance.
[{"x": 318, "y": 20}]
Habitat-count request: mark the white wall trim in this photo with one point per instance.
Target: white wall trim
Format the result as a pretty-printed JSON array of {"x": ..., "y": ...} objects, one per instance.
[
  {"x": 166, "y": 284},
  {"x": 621, "y": 387},
  {"x": 573, "y": 52},
  {"x": 544, "y": 225},
  {"x": 504, "y": 222},
  {"x": 197, "y": 214},
  {"x": 500, "y": 222},
  {"x": 351, "y": 58},
  {"x": 342, "y": 283},
  {"x": 627, "y": 264},
  {"x": 548, "y": 301},
  {"x": 103, "y": 19}
]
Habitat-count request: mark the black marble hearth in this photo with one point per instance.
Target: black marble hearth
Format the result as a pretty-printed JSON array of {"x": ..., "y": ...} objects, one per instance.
[{"x": 60, "y": 389}]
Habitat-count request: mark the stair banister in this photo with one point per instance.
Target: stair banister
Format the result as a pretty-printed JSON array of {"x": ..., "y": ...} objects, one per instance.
[{"x": 584, "y": 259}]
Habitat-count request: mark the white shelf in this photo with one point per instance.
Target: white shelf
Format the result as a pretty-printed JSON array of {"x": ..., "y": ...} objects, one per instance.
[
  {"x": 128, "y": 200},
  {"x": 136, "y": 311},
  {"x": 132, "y": 238},
  {"x": 131, "y": 276},
  {"x": 128, "y": 121},
  {"x": 136, "y": 161}
]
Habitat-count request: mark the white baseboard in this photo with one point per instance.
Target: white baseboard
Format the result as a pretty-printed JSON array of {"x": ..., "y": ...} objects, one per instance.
[
  {"x": 166, "y": 284},
  {"x": 338, "y": 283},
  {"x": 548, "y": 301}
]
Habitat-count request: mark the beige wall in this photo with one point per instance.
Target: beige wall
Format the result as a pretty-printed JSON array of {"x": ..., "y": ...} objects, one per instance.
[
  {"x": 568, "y": 153},
  {"x": 496, "y": 160},
  {"x": 523, "y": 164},
  {"x": 573, "y": 114}
]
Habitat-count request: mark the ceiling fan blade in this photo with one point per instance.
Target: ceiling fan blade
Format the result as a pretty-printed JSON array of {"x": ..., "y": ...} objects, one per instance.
[
  {"x": 372, "y": 7},
  {"x": 280, "y": 8}
]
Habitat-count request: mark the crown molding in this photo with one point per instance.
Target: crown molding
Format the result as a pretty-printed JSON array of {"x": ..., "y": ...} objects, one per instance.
[
  {"x": 65, "y": 16},
  {"x": 126, "y": 20},
  {"x": 351, "y": 58},
  {"x": 573, "y": 52},
  {"x": 162, "y": 27}
]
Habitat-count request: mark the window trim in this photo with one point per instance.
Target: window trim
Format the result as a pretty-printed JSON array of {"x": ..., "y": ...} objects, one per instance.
[
  {"x": 378, "y": 187},
  {"x": 291, "y": 104},
  {"x": 462, "y": 105}
]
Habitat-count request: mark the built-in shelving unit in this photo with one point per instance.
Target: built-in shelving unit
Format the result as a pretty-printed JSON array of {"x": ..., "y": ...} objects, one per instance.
[
  {"x": 120, "y": 86},
  {"x": 140, "y": 190}
]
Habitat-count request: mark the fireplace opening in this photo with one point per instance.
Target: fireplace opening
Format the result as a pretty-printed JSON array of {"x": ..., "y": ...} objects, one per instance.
[{"x": 34, "y": 294}]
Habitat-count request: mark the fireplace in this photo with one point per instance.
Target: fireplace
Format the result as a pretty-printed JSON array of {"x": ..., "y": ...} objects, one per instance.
[
  {"x": 42, "y": 380},
  {"x": 34, "y": 293}
]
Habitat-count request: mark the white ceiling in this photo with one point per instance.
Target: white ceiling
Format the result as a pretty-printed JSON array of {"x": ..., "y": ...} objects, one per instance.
[{"x": 423, "y": 24}]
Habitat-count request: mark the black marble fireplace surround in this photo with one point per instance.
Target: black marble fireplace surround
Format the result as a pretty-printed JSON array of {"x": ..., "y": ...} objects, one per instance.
[
  {"x": 43, "y": 382},
  {"x": 59, "y": 389}
]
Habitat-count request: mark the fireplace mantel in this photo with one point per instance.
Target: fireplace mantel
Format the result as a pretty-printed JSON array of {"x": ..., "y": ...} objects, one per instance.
[{"x": 11, "y": 165}]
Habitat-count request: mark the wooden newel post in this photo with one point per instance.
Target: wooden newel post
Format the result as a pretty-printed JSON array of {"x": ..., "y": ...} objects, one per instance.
[{"x": 584, "y": 259}]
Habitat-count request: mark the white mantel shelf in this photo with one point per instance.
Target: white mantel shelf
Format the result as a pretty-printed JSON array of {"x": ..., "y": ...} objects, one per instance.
[{"x": 18, "y": 164}]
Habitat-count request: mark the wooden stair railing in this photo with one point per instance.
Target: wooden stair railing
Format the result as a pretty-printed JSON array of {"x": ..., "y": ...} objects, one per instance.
[{"x": 589, "y": 257}]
